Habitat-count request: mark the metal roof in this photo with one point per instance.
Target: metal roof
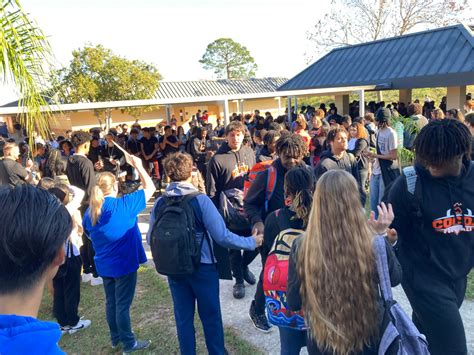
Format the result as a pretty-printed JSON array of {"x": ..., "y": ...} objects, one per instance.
[
  {"x": 224, "y": 87},
  {"x": 435, "y": 58}
]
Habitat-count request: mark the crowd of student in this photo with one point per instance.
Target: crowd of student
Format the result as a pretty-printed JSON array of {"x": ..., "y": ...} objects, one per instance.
[{"x": 292, "y": 190}]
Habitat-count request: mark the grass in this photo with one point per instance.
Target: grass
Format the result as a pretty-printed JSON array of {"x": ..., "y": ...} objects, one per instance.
[
  {"x": 470, "y": 286},
  {"x": 152, "y": 318}
]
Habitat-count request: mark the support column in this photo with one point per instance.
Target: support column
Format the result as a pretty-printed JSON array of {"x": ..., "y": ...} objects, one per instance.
[
  {"x": 361, "y": 103},
  {"x": 226, "y": 112},
  {"x": 405, "y": 96},
  {"x": 289, "y": 110},
  {"x": 342, "y": 104},
  {"x": 241, "y": 107},
  {"x": 279, "y": 105},
  {"x": 456, "y": 97},
  {"x": 168, "y": 114},
  {"x": 108, "y": 120}
]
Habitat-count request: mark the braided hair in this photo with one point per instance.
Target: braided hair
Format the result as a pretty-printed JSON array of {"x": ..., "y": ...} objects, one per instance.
[
  {"x": 441, "y": 141},
  {"x": 299, "y": 186}
]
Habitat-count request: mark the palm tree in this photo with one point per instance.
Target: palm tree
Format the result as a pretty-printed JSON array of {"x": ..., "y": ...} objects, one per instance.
[{"x": 25, "y": 58}]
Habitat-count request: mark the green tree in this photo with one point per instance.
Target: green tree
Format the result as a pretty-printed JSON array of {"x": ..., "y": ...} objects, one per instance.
[
  {"x": 229, "y": 59},
  {"x": 24, "y": 62},
  {"x": 96, "y": 74}
]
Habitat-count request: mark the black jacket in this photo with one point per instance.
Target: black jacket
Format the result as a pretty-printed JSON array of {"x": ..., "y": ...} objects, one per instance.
[
  {"x": 361, "y": 145},
  {"x": 294, "y": 282},
  {"x": 347, "y": 162},
  {"x": 264, "y": 155},
  {"x": 80, "y": 173},
  {"x": 439, "y": 240},
  {"x": 219, "y": 172}
]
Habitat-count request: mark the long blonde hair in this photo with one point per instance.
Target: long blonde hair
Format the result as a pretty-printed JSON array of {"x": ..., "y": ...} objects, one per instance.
[
  {"x": 336, "y": 266},
  {"x": 104, "y": 186}
]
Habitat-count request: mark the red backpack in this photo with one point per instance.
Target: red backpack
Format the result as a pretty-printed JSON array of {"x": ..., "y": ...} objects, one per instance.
[
  {"x": 258, "y": 169},
  {"x": 275, "y": 281}
]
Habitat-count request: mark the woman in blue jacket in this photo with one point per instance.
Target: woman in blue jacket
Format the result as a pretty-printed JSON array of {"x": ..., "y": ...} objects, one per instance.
[
  {"x": 203, "y": 285},
  {"x": 112, "y": 225}
]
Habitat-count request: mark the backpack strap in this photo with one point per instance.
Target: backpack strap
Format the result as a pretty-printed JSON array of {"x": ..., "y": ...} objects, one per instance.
[
  {"x": 382, "y": 268},
  {"x": 410, "y": 177},
  {"x": 199, "y": 220},
  {"x": 271, "y": 183}
]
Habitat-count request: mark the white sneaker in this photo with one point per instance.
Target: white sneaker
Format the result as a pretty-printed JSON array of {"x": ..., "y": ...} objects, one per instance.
[
  {"x": 65, "y": 330},
  {"x": 82, "y": 324},
  {"x": 96, "y": 281},
  {"x": 86, "y": 277}
]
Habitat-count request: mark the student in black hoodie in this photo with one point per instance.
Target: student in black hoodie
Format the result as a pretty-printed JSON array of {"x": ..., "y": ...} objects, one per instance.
[
  {"x": 80, "y": 173},
  {"x": 291, "y": 149},
  {"x": 435, "y": 226},
  {"x": 268, "y": 151},
  {"x": 226, "y": 171},
  {"x": 336, "y": 157}
]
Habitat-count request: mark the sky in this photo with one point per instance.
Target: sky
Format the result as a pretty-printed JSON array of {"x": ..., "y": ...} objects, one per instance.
[{"x": 173, "y": 35}]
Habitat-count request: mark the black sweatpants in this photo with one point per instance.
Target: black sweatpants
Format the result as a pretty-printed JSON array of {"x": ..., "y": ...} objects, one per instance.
[
  {"x": 259, "y": 295},
  {"x": 67, "y": 293},
  {"x": 239, "y": 261},
  {"x": 436, "y": 314},
  {"x": 87, "y": 251}
]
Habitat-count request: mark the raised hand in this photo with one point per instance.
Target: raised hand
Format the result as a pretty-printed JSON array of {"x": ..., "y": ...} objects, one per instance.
[{"x": 384, "y": 220}]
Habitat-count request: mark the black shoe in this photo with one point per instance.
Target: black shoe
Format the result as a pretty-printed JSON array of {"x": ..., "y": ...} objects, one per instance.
[
  {"x": 259, "y": 320},
  {"x": 239, "y": 290},
  {"x": 249, "y": 276}
]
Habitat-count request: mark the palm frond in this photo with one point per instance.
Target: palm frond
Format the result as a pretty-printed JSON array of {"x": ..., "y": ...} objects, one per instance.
[{"x": 25, "y": 59}]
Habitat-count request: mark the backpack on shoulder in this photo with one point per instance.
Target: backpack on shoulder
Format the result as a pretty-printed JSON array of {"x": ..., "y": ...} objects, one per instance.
[
  {"x": 174, "y": 246},
  {"x": 398, "y": 333},
  {"x": 262, "y": 168},
  {"x": 275, "y": 282}
]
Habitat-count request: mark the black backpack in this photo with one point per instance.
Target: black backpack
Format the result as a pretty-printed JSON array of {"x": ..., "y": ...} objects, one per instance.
[{"x": 175, "y": 249}]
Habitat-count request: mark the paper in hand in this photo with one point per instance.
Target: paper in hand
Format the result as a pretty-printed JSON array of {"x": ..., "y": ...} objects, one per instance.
[{"x": 128, "y": 157}]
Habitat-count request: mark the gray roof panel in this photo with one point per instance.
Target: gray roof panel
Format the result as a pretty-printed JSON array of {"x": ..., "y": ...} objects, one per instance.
[
  {"x": 431, "y": 58},
  {"x": 189, "y": 89}
]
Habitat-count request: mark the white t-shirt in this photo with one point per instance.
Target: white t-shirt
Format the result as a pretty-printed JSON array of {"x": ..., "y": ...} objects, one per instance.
[{"x": 386, "y": 141}]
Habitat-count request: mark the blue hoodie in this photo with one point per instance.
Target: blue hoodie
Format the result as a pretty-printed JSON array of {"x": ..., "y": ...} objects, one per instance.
[
  {"x": 27, "y": 335},
  {"x": 212, "y": 221}
]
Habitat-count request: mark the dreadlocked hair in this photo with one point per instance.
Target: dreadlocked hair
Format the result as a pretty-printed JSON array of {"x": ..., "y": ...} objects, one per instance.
[
  {"x": 299, "y": 186},
  {"x": 439, "y": 142},
  {"x": 291, "y": 145}
]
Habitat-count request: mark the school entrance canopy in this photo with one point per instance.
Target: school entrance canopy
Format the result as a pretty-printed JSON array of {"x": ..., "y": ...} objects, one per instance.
[{"x": 442, "y": 57}]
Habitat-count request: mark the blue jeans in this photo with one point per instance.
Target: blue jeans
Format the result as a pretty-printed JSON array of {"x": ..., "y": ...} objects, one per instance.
[
  {"x": 203, "y": 287},
  {"x": 119, "y": 294},
  {"x": 291, "y": 340},
  {"x": 377, "y": 189}
]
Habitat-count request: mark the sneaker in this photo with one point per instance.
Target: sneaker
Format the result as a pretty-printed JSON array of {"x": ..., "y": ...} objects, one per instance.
[
  {"x": 82, "y": 324},
  {"x": 86, "y": 277},
  {"x": 239, "y": 290},
  {"x": 65, "y": 329},
  {"x": 249, "y": 276},
  {"x": 139, "y": 345},
  {"x": 96, "y": 281},
  {"x": 259, "y": 320}
]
